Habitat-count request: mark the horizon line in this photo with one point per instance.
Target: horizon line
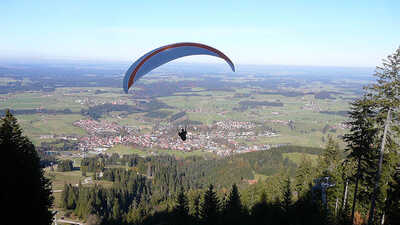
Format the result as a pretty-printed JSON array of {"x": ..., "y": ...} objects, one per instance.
[{"x": 46, "y": 60}]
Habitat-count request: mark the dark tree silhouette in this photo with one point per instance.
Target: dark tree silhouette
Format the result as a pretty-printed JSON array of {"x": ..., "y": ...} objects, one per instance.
[
  {"x": 181, "y": 210},
  {"x": 233, "y": 212},
  {"x": 287, "y": 196},
  {"x": 260, "y": 211},
  {"x": 65, "y": 165},
  {"x": 209, "y": 212},
  {"x": 196, "y": 209},
  {"x": 26, "y": 194},
  {"x": 287, "y": 202}
]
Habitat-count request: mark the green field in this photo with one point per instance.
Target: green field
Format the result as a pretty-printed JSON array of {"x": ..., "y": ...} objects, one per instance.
[
  {"x": 297, "y": 157},
  {"x": 36, "y": 124},
  {"x": 126, "y": 150},
  {"x": 59, "y": 179}
]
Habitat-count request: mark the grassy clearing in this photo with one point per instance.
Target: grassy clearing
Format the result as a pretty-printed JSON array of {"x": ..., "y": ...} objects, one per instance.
[
  {"x": 297, "y": 157},
  {"x": 127, "y": 150},
  {"x": 38, "y": 124},
  {"x": 24, "y": 101},
  {"x": 260, "y": 177},
  {"x": 59, "y": 179}
]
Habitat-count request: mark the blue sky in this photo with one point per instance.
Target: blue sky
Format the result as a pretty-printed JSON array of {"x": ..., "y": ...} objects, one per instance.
[{"x": 335, "y": 33}]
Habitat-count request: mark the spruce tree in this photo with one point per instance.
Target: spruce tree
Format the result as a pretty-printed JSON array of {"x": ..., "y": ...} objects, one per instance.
[
  {"x": 181, "y": 210},
  {"x": 393, "y": 200},
  {"x": 64, "y": 196},
  {"x": 25, "y": 188},
  {"x": 196, "y": 208},
  {"x": 329, "y": 166},
  {"x": 304, "y": 176},
  {"x": 210, "y": 210},
  {"x": 386, "y": 94},
  {"x": 116, "y": 210},
  {"x": 233, "y": 212},
  {"x": 330, "y": 156},
  {"x": 287, "y": 196},
  {"x": 68, "y": 197},
  {"x": 361, "y": 142},
  {"x": 260, "y": 210}
]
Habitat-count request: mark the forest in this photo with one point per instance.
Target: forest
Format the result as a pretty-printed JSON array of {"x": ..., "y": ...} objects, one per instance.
[
  {"x": 33, "y": 111},
  {"x": 252, "y": 104},
  {"x": 95, "y": 112},
  {"x": 155, "y": 189}
]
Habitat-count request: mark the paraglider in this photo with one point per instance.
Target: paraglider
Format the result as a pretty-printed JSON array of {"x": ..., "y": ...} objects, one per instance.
[
  {"x": 165, "y": 54},
  {"x": 182, "y": 134}
]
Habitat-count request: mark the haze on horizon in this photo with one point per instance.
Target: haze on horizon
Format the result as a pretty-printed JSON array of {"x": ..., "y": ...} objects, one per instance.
[{"x": 341, "y": 33}]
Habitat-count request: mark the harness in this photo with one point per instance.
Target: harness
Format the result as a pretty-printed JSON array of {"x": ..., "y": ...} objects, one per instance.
[{"x": 182, "y": 134}]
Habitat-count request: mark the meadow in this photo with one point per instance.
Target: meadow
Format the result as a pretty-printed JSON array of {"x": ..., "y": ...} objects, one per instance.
[{"x": 127, "y": 150}]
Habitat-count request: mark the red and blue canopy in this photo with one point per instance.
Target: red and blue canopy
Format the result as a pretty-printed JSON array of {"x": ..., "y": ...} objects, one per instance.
[{"x": 162, "y": 55}]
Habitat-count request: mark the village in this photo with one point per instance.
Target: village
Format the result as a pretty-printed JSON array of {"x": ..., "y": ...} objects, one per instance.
[{"x": 222, "y": 138}]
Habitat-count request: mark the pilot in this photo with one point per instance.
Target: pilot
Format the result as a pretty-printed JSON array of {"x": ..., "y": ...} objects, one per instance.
[{"x": 182, "y": 134}]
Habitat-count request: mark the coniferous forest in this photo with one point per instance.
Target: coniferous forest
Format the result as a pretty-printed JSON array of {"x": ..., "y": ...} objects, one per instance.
[{"x": 355, "y": 184}]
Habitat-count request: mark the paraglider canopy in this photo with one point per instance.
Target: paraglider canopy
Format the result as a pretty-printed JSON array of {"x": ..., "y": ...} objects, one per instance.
[{"x": 162, "y": 55}]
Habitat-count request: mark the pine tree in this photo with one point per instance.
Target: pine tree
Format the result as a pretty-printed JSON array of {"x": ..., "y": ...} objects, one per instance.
[
  {"x": 361, "y": 141},
  {"x": 210, "y": 207},
  {"x": 181, "y": 210},
  {"x": 116, "y": 211},
  {"x": 262, "y": 201},
  {"x": 133, "y": 214},
  {"x": 329, "y": 166},
  {"x": 25, "y": 188},
  {"x": 64, "y": 196},
  {"x": 259, "y": 211},
  {"x": 137, "y": 213},
  {"x": 393, "y": 200},
  {"x": 233, "y": 212},
  {"x": 287, "y": 196},
  {"x": 386, "y": 94},
  {"x": 303, "y": 177},
  {"x": 71, "y": 199},
  {"x": 196, "y": 208},
  {"x": 330, "y": 156}
]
